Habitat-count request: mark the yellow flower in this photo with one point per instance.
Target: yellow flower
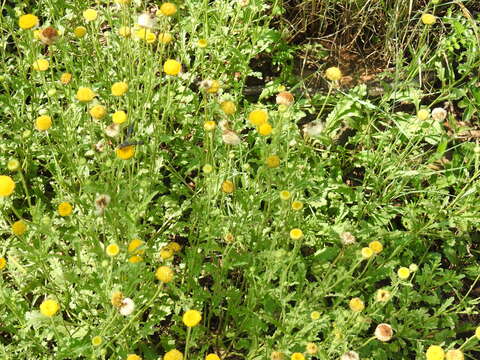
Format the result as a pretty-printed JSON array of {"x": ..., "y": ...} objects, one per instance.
[
  {"x": 43, "y": 122},
  {"x": 477, "y": 333},
  {"x": 376, "y": 246},
  {"x": 6, "y": 185},
  {"x": 212, "y": 86},
  {"x": 133, "y": 357},
  {"x": 296, "y": 234},
  {"x": 277, "y": 355},
  {"x": 3, "y": 263},
  {"x": 125, "y": 152},
  {"x": 191, "y": 318},
  {"x": 285, "y": 195},
  {"x": 123, "y": 2},
  {"x": 207, "y": 168},
  {"x": 65, "y": 209},
  {"x": 165, "y": 38},
  {"x": 164, "y": 274},
  {"x": 435, "y": 352},
  {"x": 454, "y": 354},
  {"x": 19, "y": 228},
  {"x": 403, "y": 273},
  {"x": 40, "y": 65},
  {"x": 356, "y": 304},
  {"x": 265, "y": 129},
  {"x": 65, "y": 78},
  {"x": 273, "y": 161},
  {"x": 212, "y": 357},
  {"x": 383, "y": 295},
  {"x": 168, "y": 9},
  {"x": 209, "y": 125},
  {"x": 166, "y": 254},
  {"x": 13, "y": 165},
  {"x": 428, "y": 19},
  {"x": 228, "y": 187},
  {"x": 150, "y": 37},
  {"x": 124, "y": 31},
  {"x": 119, "y": 117},
  {"x": 367, "y": 253},
  {"x": 333, "y": 73},
  {"x": 112, "y": 250},
  {"x": 173, "y": 355},
  {"x": 85, "y": 94},
  {"x": 80, "y": 31},
  {"x": 98, "y": 112},
  {"x": 172, "y": 67},
  {"x": 202, "y": 43},
  {"x": 27, "y": 21},
  {"x": 258, "y": 117},
  {"x": 49, "y": 307},
  {"x": 135, "y": 259},
  {"x": 119, "y": 88},
  {"x": 133, "y": 246},
  {"x": 97, "y": 340},
  {"x": 423, "y": 114},
  {"x": 314, "y": 315},
  {"x": 228, "y": 107},
  {"x": 90, "y": 14},
  {"x": 297, "y": 356},
  {"x": 117, "y": 299},
  {"x": 174, "y": 246},
  {"x": 297, "y": 205},
  {"x": 311, "y": 348}
]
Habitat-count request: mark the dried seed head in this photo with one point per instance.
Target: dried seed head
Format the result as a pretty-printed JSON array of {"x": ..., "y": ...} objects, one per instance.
[
  {"x": 285, "y": 98},
  {"x": 383, "y": 332},
  {"x": 347, "y": 238},
  {"x": 48, "y": 35},
  {"x": 101, "y": 202},
  {"x": 112, "y": 130},
  {"x": 230, "y": 137},
  {"x": 439, "y": 114},
  {"x": 351, "y": 355}
]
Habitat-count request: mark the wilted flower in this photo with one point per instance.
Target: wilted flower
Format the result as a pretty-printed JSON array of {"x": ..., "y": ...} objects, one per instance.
[
  {"x": 277, "y": 355},
  {"x": 347, "y": 238},
  {"x": 311, "y": 348},
  {"x": 146, "y": 20},
  {"x": 351, "y": 355},
  {"x": 127, "y": 307},
  {"x": 383, "y": 295},
  {"x": 439, "y": 114},
  {"x": 101, "y": 203},
  {"x": 48, "y": 35},
  {"x": 285, "y": 98},
  {"x": 230, "y": 137},
  {"x": 313, "y": 128},
  {"x": 112, "y": 130},
  {"x": 383, "y": 332},
  {"x": 210, "y": 86},
  {"x": 454, "y": 354}
]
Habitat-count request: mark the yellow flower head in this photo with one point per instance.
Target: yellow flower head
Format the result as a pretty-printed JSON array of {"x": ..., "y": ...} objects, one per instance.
[
  {"x": 454, "y": 354},
  {"x": 265, "y": 129},
  {"x": 428, "y": 19},
  {"x": 165, "y": 38},
  {"x": 125, "y": 152},
  {"x": 173, "y": 355},
  {"x": 19, "y": 228},
  {"x": 376, "y": 246},
  {"x": 403, "y": 273},
  {"x": 7, "y": 185},
  {"x": 297, "y": 356},
  {"x": 90, "y": 14},
  {"x": 43, "y": 122},
  {"x": 211, "y": 86},
  {"x": 285, "y": 195},
  {"x": 273, "y": 161},
  {"x": 383, "y": 295},
  {"x": 356, "y": 304},
  {"x": 172, "y": 67},
  {"x": 98, "y": 112},
  {"x": 477, "y": 333},
  {"x": 49, "y": 307},
  {"x": 97, "y": 341},
  {"x": 65, "y": 78},
  {"x": 423, "y": 114},
  {"x": 228, "y": 107},
  {"x": 27, "y": 21},
  {"x": 202, "y": 43},
  {"x": 117, "y": 299},
  {"x": 311, "y": 348},
  {"x": 297, "y": 205},
  {"x": 3, "y": 263},
  {"x": 258, "y": 117},
  {"x": 135, "y": 259},
  {"x": 124, "y": 31},
  {"x": 166, "y": 253},
  {"x": 228, "y": 187},
  {"x": 209, "y": 125},
  {"x": 112, "y": 250},
  {"x": 13, "y": 165},
  {"x": 85, "y": 94},
  {"x": 314, "y": 315},
  {"x": 296, "y": 234},
  {"x": 333, "y": 73},
  {"x": 168, "y": 9},
  {"x": 367, "y": 253},
  {"x": 207, "y": 168},
  {"x": 65, "y": 209},
  {"x": 119, "y": 88},
  {"x": 174, "y": 246},
  {"x": 191, "y": 318},
  {"x": 80, "y": 31},
  {"x": 435, "y": 352},
  {"x": 119, "y": 117},
  {"x": 40, "y": 65},
  {"x": 133, "y": 357},
  {"x": 134, "y": 245},
  {"x": 164, "y": 274},
  {"x": 277, "y": 355},
  {"x": 212, "y": 357}
]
